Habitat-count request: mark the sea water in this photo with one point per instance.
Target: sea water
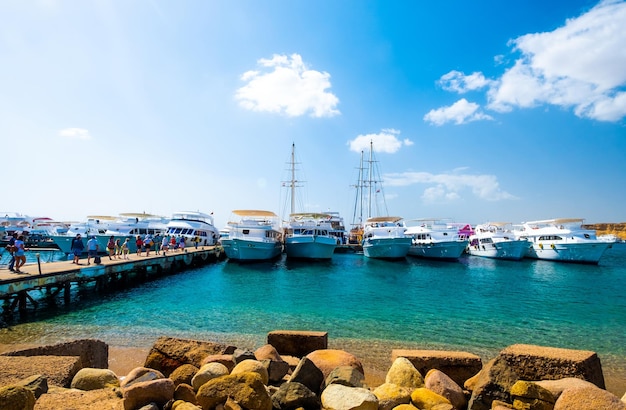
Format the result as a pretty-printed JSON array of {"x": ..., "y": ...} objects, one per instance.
[{"x": 475, "y": 304}]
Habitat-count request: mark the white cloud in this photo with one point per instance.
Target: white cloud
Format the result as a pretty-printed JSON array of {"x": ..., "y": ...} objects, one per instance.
[
  {"x": 460, "y": 112},
  {"x": 75, "y": 133},
  {"x": 579, "y": 65},
  {"x": 460, "y": 83},
  {"x": 385, "y": 141},
  {"x": 286, "y": 86},
  {"x": 449, "y": 187}
]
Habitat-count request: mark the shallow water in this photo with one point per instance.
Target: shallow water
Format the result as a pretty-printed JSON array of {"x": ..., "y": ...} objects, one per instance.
[{"x": 477, "y": 305}]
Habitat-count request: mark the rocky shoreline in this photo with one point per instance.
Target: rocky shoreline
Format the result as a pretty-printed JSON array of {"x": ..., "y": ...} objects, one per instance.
[{"x": 296, "y": 369}]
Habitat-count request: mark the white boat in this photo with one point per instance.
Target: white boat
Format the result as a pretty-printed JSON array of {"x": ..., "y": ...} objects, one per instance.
[
  {"x": 195, "y": 227},
  {"x": 435, "y": 238},
  {"x": 308, "y": 236},
  {"x": 496, "y": 240},
  {"x": 562, "y": 239},
  {"x": 384, "y": 238},
  {"x": 255, "y": 236},
  {"x": 381, "y": 236},
  {"x": 93, "y": 226}
]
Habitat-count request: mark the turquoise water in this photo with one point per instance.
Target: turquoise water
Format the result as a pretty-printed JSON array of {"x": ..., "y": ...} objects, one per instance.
[{"x": 477, "y": 305}]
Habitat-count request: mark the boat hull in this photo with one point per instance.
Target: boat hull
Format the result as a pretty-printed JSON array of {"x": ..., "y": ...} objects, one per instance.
[
  {"x": 510, "y": 250},
  {"x": 386, "y": 248},
  {"x": 572, "y": 252},
  {"x": 310, "y": 247},
  {"x": 247, "y": 250},
  {"x": 438, "y": 250}
]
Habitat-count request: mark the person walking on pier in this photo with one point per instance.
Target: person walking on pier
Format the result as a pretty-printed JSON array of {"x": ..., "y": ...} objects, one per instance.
[
  {"x": 125, "y": 248},
  {"x": 111, "y": 247},
  {"x": 139, "y": 243},
  {"x": 92, "y": 249},
  {"x": 20, "y": 257},
  {"x": 77, "y": 248},
  {"x": 118, "y": 248},
  {"x": 164, "y": 244},
  {"x": 11, "y": 250}
]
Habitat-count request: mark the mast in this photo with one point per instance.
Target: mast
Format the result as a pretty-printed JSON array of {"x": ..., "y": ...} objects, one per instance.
[
  {"x": 370, "y": 181},
  {"x": 293, "y": 178}
]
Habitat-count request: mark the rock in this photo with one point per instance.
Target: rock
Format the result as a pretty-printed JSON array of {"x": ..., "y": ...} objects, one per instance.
[
  {"x": 59, "y": 398},
  {"x": 277, "y": 367},
  {"x": 440, "y": 383},
  {"x": 457, "y": 365},
  {"x": 141, "y": 374},
  {"x": 294, "y": 395},
  {"x": 183, "y": 374},
  {"x": 169, "y": 353},
  {"x": 37, "y": 384},
  {"x": 425, "y": 399},
  {"x": 267, "y": 352},
  {"x": 340, "y": 397},
  {"x": 587, "y": 398},
  {"x": 528, "y": 395},
  {"x": 328, "y": 359},
  {"x": 556, "y": 387},
  {"x": 239, "y": 355},
  {"x": 93, "y": 379},
  {"x": 139, "y": 394},
  {"x": 225, "y": 359},
  {"x": 346, "y": 375},
  {"x": 500, "y": 405},
  {"x": 403, "y": 373},
  {"x": 390, "y": 395},
  {"x": 494, "y": 382},
  {"x": 308, "y": 374},
  {"x": 185, "y": 392},
  {"x": 296, "y": 342},
  {"x": 208, "y": 372},
  {"x": 92, "y": 353},
  {"x": 183, "y": 405},
  {"x": 58, "y": 370},
  {"x": 247, "y": 389},
  {"x": 405, "y": 407},
  {"x": 252, "y": 365},
  {"x": 16, "y": 398}
]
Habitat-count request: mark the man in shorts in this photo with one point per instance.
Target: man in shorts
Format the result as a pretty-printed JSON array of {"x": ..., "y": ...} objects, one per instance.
[{"x": 92, "y": 249}]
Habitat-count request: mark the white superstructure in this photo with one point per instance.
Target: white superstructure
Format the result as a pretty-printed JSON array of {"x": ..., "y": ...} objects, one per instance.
[
  {"x": 255, "y": 236},
  {"x": 435, "y": 238},
  {"x": 496, "y": 240}
]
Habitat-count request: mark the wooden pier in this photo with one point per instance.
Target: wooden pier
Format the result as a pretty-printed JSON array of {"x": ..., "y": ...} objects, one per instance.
[{"x": 58, "y": 277}]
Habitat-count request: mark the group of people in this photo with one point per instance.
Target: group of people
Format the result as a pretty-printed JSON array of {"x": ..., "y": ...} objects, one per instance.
[
  {"x": 159, "y": 244},
  {"x": 17, "y": 251}
]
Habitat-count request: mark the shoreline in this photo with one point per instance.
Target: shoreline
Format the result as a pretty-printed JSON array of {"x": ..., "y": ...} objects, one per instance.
[{"x": 375, "y": 358}]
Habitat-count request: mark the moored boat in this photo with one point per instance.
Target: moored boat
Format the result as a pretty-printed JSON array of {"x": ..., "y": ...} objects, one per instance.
[
  {"x": 435, "y": 238},
  {"x": 563, "y": 240},
  {"x": 384, "y": 238},
  {"x": 308, "y": 236},
  {"x": 496, "y": 240},
  {"x": 255, "y": 236},
  {"x": 194, "y": 226}
]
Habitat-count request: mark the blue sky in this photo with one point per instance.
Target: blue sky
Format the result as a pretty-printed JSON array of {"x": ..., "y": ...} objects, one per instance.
[{"x": 486, "y": 110}]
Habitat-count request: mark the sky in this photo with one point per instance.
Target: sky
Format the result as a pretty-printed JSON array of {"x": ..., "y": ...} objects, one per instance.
[{"x": 477, "y": 111}]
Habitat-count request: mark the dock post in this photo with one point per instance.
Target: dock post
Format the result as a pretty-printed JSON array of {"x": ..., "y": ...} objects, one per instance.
[
  {"x": 38, "y": 262},
  {"x": 66, "y": 293}
]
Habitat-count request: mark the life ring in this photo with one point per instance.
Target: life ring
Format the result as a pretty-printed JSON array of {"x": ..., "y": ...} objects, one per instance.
[
  {"x": 552, "y": 246},
  {"x": 540, "y": 246}
]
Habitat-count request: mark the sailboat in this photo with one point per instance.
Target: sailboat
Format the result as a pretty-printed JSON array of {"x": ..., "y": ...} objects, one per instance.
[
  {"x": 382, "y": 237},
  {"x": 307, "y": 235}
]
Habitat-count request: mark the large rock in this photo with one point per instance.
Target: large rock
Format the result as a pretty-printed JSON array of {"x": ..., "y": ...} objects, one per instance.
[
  {"x": 346, "y": 375},
  {"x": 556, "y": 387},
  {"x": 92, "y": 353},
  {"x": 139, "y": 394},
  {"x": 93, "y": 379},
  {"x": 403, "y": 373},
  {"x": 277, "y": 368},
  {"x": 307, "y": 373},
  {"x": 255, "y": 366},
  {"x": 184, "y": 374},
  {"x": 225, "y": 359},
  {"x": 494, "y": 382},
  {"x": 443, "y": 385},
  {"x": 37, "y": 384},
  {"x": 459, "y": 366},
  {"x": 16, "y": 398},
  {"x": 297, "y": 342},
  {"x": 425, "y": 399},
  {"x": 208, "y": 372},
  {"x": 328, "y": 359},
  {"x": 588, "y": 398},
  {"x": 168, "y": 353},
  {"x": 390, "y": 395},
  {"x": 247, "y": 389},
  {"x": 64, "y": 399},
  {"x": 141, "y": 374},
  {"x": 293, "y": 395},
  {"x": 528, "y": 395},
  {"x": 58, "y": 370},
  {"x": 340, "y": 397}
]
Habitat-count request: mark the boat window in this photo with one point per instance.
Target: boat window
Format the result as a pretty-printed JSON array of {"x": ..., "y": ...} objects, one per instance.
[{"x": 245, "y": 231}]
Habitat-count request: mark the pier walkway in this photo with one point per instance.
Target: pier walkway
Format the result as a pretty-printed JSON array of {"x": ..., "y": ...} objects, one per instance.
[{"x": 55, "y": 277}]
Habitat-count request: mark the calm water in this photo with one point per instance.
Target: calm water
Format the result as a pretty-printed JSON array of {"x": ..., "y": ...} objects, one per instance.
[{"x": 476, "y": 305}]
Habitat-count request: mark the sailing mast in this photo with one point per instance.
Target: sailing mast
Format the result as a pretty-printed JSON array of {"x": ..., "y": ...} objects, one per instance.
[{"x": 292, "y": 183}]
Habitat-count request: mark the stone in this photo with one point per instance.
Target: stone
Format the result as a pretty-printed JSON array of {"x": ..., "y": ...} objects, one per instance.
[
  {"x": 37, "y": 384},
  {"x": 267, "y": 352},
  {"x": 139, "y": 394},
  {"x": 346, "y": 375},
  {"x": 340, "y": 397},
  {"x": 225, "y": 359},
  {"x": 328, "y": 359},
  {"x": 168, "y": 353},
  {"x": 184, "y": 405},
  {"x": 208, "y": 372},
  {"x": 141, "y": 374},
  {"x": 92, "y": 353},
  {"x": 556, "y": 387},
  {"x": 58, "y": 370},
  {"x": 185, "y": 392},
  {"x": 587, "y": 398},
  {"x": 530, "y": 396},
  {"x": 403, "y": 373},
  {"x": 438, "y": 382},
  {"x": 457, "y": 365},
  {"x": 255, "y": 366},
  {"x": 93, "y": 379},
  {"x": 296, "y": 342},
  {"x": 294, "y": 395},
  {"x": 390, "y": 395},
  {"x": 307, "y": 373},
  {"x": 239, "y": 355},
  {"x": 247, "y": 389},
  {"x": 405, "y": 407},
  {"x": 16, "y": 398},
  {"x": 425, "y": 399},
  {"x": 494, "y": 382},
  {"x": 183, "y": 374},
  {"x": 277, "y": 368},
  {"x": 59, "y": 398}
]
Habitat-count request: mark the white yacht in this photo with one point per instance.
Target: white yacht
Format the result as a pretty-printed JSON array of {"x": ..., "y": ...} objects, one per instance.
[
  {"x": 195, "y": 227},
  {"x": 255, "y": 236},
  {"x": 384, "y": 238},
  {"x": 435, "y": 238},
  {"x": 93, "y": 226},
  {"x": 309, "y": 236},
  {"x": 496, "y": 240},
  {"x": 562, "y": 239}
]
